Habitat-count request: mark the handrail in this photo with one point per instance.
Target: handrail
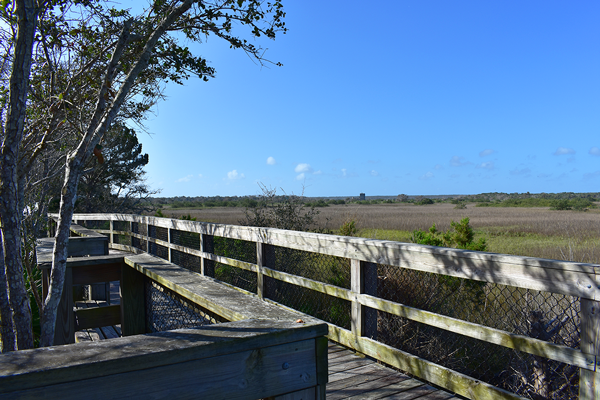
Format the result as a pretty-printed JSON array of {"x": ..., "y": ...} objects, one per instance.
[{"x": 580, "y": 280}]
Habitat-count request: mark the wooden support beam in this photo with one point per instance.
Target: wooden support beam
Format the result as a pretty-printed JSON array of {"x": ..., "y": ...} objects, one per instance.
[
  {"x": 133, "y": 302},
  {"x": 589, "y": 380},
  {"x": 96, "y": 317}
]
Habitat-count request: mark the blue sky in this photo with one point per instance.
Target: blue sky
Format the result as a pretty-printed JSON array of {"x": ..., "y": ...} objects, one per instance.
[{"x": 416, "y": 97}]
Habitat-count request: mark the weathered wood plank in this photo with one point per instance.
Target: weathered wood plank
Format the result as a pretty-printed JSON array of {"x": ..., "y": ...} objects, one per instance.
[
  {"x": 87, "y": 274},
  {"x": 589, "y": 380},
  {"x": 243, "y": 375},
  {"x": 96, "y": 317},
  {"x": 507, "y": 339},
  {"x": 317, "y": 286},
  {"x": 30, "y": 369},
  {"x": 306, "y": 394},
  {"x": 361, "y": 389},
  {"x": 394, "y": 389},
  {"x": 322, "y": 366},
  {"x": 491, "y": 335},
  {"x": 132, "y": 302},
  {"x": 548, "y": 275},
  {"x": 421, "y": 368},
  {"x": 231, "y": 304},
  {"x": 64, "y": 329},
  {"x": 352, "y": 378}
]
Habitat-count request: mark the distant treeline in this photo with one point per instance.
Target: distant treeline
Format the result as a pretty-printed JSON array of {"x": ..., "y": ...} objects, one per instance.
[{"x": 558, "y": 201}]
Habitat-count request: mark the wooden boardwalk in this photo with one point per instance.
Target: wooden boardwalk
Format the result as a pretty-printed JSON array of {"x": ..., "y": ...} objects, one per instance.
[
  {"x": 350, "y": 376},
  {"x": 354, "y": 377}
]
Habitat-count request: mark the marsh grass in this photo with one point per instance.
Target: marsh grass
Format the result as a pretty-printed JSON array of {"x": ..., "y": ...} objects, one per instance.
[{"x": 534, "y": 232}]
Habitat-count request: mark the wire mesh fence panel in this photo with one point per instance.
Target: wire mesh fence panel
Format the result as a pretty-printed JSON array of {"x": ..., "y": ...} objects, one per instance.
[
  {"x": 328, "y": 308},
  {"x": 527, "y": 375},
  {"x": 319, "y": 267},
  {"x": 141, "y": 229},
  {"x": 516, "y": 310},
  {"x": 94, "y": 224},
  {"x": 550, "y": 317},
  {"x": 187, "y": 261},
  {"x": 236, "y": 249},
  {"x": 122, "y": 226},
  {"x": 186, "y": 239},
  {"x": 166, "y": 310}
]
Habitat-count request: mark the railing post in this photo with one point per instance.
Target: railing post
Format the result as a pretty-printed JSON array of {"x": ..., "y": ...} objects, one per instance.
[
  {"x": 363, "y": 279},
  {"x": 265, "y": 257},
  {"x": 151, "y": 234},
  {"x": 130, "y": 233},
  {"x": 112, "y": 233},
  {"x": 207, "y": 245},
  {"x": 260, "y": 262},
  {"x": 147, "y": 236},
  {"x": 169, "y": 240},
  {"x": 589, "y": 381}
]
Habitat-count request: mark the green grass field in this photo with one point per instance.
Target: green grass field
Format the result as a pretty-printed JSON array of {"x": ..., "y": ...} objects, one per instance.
[{"x": 532, "y": 231}]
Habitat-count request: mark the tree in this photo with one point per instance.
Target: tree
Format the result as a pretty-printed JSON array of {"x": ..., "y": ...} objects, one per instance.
[
  {"x": 281, "y": 211},
  {"x": 103, "y": 68},
  {"x": 13, "y": 296}
]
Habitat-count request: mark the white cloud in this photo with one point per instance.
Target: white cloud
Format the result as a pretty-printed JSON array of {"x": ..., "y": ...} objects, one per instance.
[
  {"x": 303, "y": 168},
  {"x": 457, "y": 161},
  {"x": 595, "y": 151},
  {"x": 300, "y": 177},
  {"x": 426, "y": 176},
  {"x": 319, "y": 172},
  {"x": 199, "y": 175},
  {"x": 563, "y": 150},
  {"x": 374, "y": 173},
  {"x": 522, "y": 171},
  {"x": 185, "y": 178},
  {"x": 486, "y": 165},
  {"x": 438, "y": 167},
  {"x": 344, "y": 171},
  {"x": 271, "y": 161},
  {"x": 234, "y": 175},
  {"x": 592, "y": 175},
  {"x": 486, "y": 152}
]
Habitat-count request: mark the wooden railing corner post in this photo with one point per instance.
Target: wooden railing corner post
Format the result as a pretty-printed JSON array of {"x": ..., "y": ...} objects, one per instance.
[
  {"x": 589, "y": 380},
  {"x": 112, "y": 231}
]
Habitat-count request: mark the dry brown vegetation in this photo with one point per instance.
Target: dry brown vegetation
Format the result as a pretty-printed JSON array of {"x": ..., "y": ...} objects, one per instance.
[{"x": 534, "y": 232}]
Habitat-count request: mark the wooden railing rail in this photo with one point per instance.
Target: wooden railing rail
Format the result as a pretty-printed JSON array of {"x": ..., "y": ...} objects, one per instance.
[
  {"x": 579, "y": 280},
  {"x": 250, "y": 359}
]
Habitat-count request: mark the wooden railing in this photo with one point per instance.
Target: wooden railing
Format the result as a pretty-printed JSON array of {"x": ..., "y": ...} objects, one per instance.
[
  {"x": 234, "y": 347},
  {"x": 579, "y": 280}
]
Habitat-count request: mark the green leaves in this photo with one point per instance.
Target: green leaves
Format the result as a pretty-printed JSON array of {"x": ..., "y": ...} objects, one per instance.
[{"x": 460, "y": 235}]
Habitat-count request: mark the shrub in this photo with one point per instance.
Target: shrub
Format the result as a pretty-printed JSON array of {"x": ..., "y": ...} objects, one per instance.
[
  {"x": 560, "y": 205},
  {"x": 349, "y": 228},
  {"x": 424, "y": 201},
  {"x": 460, "y": 235}
]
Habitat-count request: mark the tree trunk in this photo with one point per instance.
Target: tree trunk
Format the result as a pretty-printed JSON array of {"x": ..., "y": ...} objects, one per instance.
[
  {"x": 10, "y": 215},
  {"x": 98, "y": 125},
  {"x": 59, "y": 261},
  {"x": 6, "y": 316}
]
